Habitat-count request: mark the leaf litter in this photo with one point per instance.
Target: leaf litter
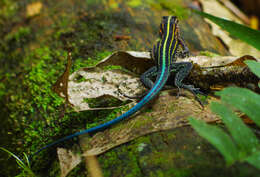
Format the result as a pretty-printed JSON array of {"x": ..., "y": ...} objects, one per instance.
[{"x": 168, "y": 112}]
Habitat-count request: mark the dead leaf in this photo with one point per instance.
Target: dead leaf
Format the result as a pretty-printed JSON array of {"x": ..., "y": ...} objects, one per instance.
[
  {"x": 216, "y": 61},
  {"x": 68, "y": 160},
  {"x": 61, "y": 85},
  {"x": 33, "y": 9},
  {"x": 121, "y": 37},
  {"x": 236, "y": 46},
  {"x": 99, "y": 83},
  {"x": 168, "y": 112},
  {"x": 240, "y": 61},
  {"x": 216, "y": 73}
]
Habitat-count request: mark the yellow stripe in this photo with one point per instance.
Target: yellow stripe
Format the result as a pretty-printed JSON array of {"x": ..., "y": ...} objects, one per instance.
[
  {"x": 169, "y": 54},
  {"x": 165, "y": 42}
]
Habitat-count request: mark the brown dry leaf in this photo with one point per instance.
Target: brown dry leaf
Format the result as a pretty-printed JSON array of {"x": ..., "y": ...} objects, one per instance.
[
  {"x": 206, "y": 61},
  {"x": 33, "y": 9},
  {"x": 236, "y": 46},
  {"x": 121, "y": 37},
  {"x": 218, "y": 72},
  {"x": 68, "y": 160},
  {"x": 100, "y": 84},
  {"x": 168, "y": 112},
  {"x": 61, "y": 85}
]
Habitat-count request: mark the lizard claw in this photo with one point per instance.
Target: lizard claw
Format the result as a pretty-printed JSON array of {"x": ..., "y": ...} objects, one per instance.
[
  {"x": 195, "y": 92},
  {"x": 178, "y": 93}
]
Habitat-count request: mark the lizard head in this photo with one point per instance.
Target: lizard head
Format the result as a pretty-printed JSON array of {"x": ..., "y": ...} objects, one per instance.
[{"x": 168, "y": 23}]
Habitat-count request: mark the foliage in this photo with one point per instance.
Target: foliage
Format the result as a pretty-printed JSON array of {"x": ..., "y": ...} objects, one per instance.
[
  {"x": 80, "y": 62},
  {"x": 242, "y": 32},
  {"x": 8, "y": 9},
  {"x": 208, "y": 53},
  {"x": 240, "y": 144},
  {"x": 174, "y": 7},
  {"x": 32, "y": 57},
  {"x": 26, "y": 167},
  {"x": 35, "y": 114},
  {"x": 254, "y": 66}
]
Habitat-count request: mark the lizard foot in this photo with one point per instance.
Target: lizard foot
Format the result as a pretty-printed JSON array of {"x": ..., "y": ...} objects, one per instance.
[{"x": 194, "y": 91}]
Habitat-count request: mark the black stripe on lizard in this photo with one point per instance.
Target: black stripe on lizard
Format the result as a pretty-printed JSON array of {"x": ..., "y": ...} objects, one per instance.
[{"x": 164, "y": 53}]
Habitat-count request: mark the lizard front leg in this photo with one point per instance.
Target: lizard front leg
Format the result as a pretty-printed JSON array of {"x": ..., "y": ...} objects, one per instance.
[
  {"x": 183, "y": 50},
  {"x": 182, "y": 69}
]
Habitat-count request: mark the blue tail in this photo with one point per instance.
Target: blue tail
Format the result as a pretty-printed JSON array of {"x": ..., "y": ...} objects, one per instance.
[{"x": 160, "y": 81}]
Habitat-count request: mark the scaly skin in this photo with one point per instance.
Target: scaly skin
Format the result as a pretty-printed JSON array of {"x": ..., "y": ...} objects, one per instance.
[{"x": 164, "y": 53}]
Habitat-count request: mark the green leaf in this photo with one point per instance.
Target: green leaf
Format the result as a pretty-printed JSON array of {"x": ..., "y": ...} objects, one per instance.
[
  {"x": 254, "y": 159},
  {"x": 243, "y": 99},
  {"x": 19, "y": 161},
  {"x": 243, "y": 136},
  {"x": 218, "y": 138},
  {"x": 242, "y": 32},
  {"x": 254, "y": 67}
]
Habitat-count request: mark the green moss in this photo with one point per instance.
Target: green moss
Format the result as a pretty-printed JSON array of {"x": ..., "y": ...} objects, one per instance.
[
  {"x": 178, "y": 172},
  {"x": 171, "y": 135},
  {"x": 80, "y": 78},
  {"x": 108, "y": 159},
  {"x": 173, "y": 7},
  {"x": 80, "y": 62},
  {"x": 148, "y": 110},
  {"x": 203, "y": 99},
  {"x": 142, "y": 139},
  {"x": 79, "y": 171},
  {"x": 33, "y": 55},
  {"x": 165, "y": 162},
  {"x": 145, "y": 121},
  {"x": 102, "y": 117},
  {"x": 208, "y": 53},
  {"x": 8, "y": 8},
  {"x": 112, "y": 67},
  {"x": 38, "y": 110},
  {"x": 112, "y": 161},
  {"x": 2, "y": 89},
  {"x": 134, "y": 3},
  {"x": 19, "y": 35}
]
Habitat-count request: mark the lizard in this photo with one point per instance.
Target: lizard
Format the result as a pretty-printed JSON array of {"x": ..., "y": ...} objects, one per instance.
[{"x": 164, "y": 53}]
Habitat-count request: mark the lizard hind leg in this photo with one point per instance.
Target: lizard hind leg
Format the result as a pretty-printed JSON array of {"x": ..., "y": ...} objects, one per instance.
[{"x": 182, "y": 70}]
